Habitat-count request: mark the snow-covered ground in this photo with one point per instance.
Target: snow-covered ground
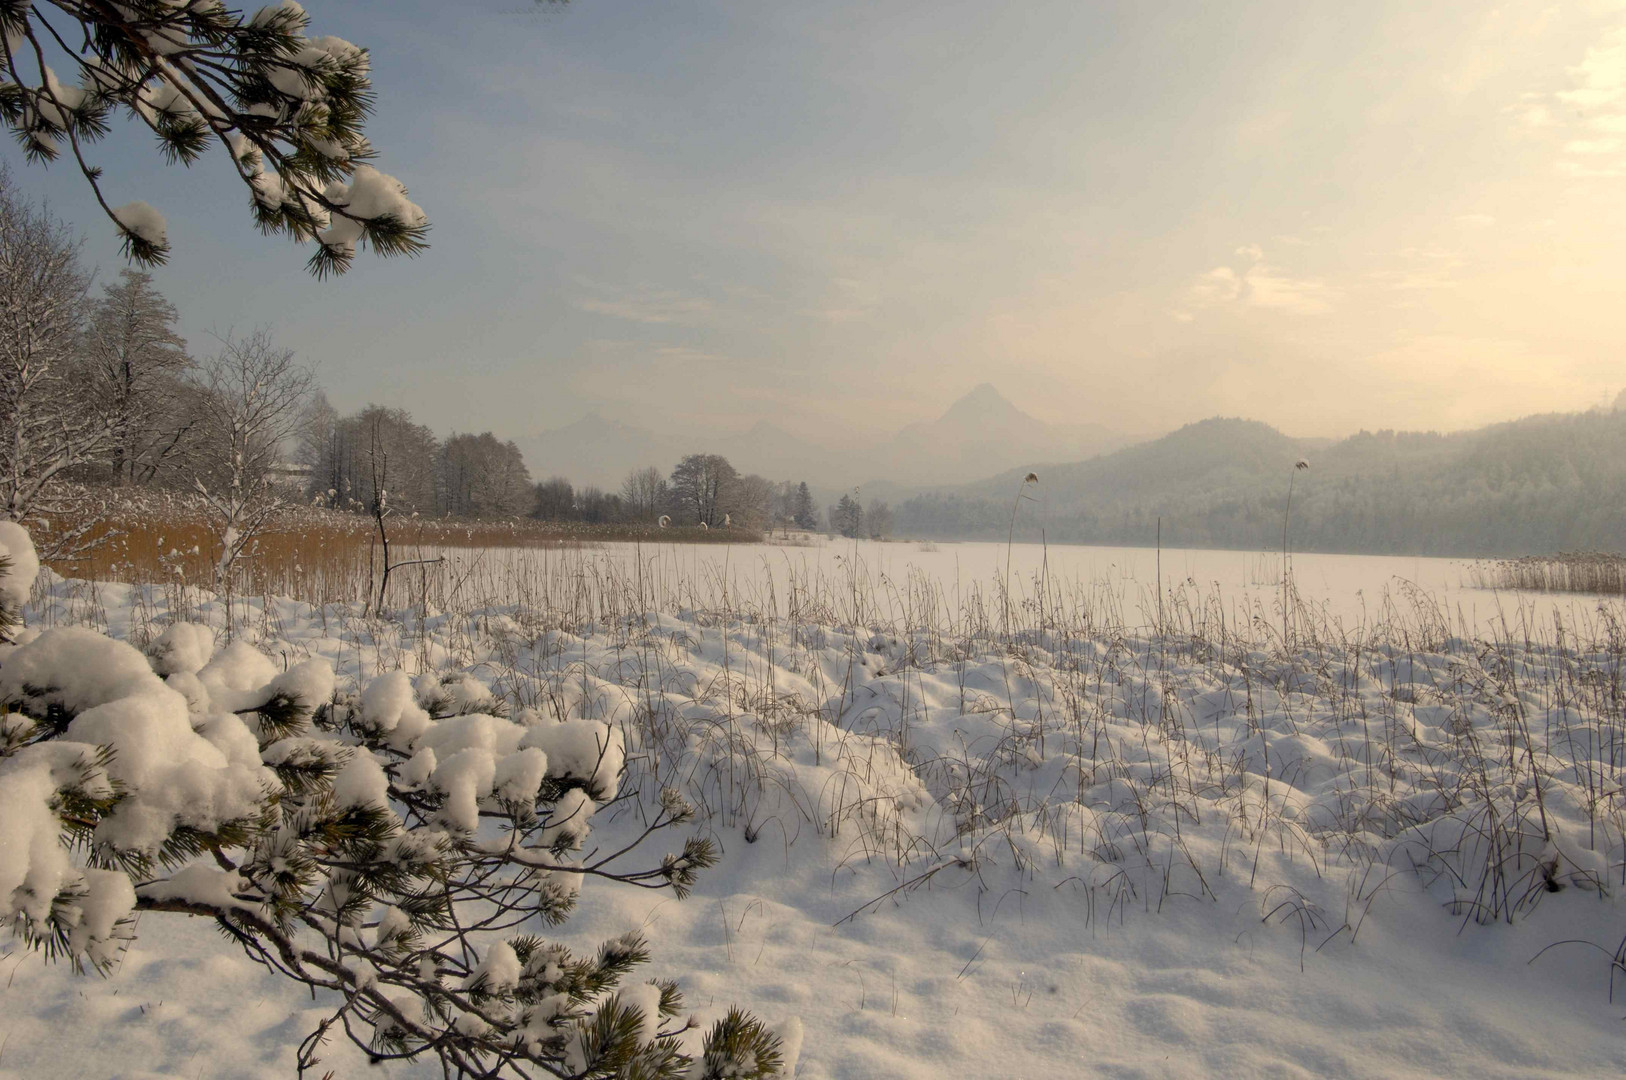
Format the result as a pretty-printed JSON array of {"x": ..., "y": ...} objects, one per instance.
[{"x": 975, "y": 838}]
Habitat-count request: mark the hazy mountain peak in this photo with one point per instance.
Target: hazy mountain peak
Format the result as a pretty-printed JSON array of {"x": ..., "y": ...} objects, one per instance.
[{"x": 982, "y": 404}]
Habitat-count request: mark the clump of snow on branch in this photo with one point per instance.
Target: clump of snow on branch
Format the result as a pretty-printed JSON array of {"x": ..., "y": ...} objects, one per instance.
[
  {"x": 145, "y": 223},
  {"x": 370, "y": 195}
]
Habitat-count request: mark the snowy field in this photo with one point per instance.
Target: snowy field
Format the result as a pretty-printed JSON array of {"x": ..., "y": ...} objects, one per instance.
[{"x": 977, "y": 830}]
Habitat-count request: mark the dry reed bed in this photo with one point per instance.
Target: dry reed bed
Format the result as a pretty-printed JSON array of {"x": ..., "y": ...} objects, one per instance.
[
  {"x": 320, "y": 555},
  {"x": 1588, "y": 572},
  {"x": 1051, "y": 733}
]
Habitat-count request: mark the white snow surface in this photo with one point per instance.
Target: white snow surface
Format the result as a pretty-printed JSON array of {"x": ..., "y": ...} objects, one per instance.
[
  {"x": 17, "y": 546},
  {"x": 182, "y": 649},
  {"x": 143, "y": 220},
  {"x": 1122, "y": 856}
]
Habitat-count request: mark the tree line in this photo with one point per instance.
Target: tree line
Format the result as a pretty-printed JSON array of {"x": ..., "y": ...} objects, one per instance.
[
  {"x": 99, "y": 389},
  {"x": 702, "y": 489}
]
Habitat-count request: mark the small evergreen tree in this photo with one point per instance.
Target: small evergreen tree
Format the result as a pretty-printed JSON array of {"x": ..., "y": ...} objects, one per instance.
[
  {"x": 805, "y": 514},
  {"x": 847, "y": 516}
]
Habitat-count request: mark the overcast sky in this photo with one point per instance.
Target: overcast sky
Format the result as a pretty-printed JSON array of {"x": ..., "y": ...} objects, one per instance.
[{"x": 842, "y": 215}]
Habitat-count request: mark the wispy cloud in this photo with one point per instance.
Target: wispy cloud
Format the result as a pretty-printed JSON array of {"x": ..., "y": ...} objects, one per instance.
[
  {"x": 1306, "y": 296},
  {"x": 656, "y": 307},
  {"x": 1425, "y": 268},
  {"x": 1255, "y": 284},
  {"x": 1597, "y": 100},
  {"x": 850, "y": 299}
]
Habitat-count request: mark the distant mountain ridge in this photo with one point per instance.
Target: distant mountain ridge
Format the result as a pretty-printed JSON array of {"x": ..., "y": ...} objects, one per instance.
[
  {"x": 980, "y": 433},
  {"x": 1542, "y": 484}
]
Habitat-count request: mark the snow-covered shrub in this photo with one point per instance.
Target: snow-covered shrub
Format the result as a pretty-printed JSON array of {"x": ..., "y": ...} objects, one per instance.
[{"x": 363, "y": 847}]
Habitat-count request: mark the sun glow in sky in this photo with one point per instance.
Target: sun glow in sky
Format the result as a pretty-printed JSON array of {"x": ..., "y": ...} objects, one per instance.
[{"x": 841, "y": 216}]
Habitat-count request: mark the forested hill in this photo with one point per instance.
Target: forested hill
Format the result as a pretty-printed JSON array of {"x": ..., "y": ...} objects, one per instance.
[{"x": 1533, "y": 486}]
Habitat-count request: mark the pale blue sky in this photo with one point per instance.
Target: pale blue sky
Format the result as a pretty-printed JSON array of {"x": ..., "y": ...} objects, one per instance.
[{"x": 844, "y": 215}]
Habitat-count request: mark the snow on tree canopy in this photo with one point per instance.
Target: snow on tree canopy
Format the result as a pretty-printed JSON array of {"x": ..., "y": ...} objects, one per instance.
[
  {"x": 34, "y": 865},
  {"x": 583, "y": 750},
  {"x": 388, "y": 706},
  {"x": 235, "y": 676},
  {"x": 307, "y": 684}
]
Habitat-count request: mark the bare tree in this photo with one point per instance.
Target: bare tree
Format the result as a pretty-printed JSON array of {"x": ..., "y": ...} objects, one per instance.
[
  {"x": 135, "y": 360},
  {"x": 254, "y": 399},
  {"x": 478, "y": 476},
  {"x": 596, "y": 507},
  {"x": 749, "y": 502},
  {"x": 877, "y": 519},
  {"x": 341, "y": 451},
  {"x": 319, "y": 449},
  {"x": 644, "y": 494},
  {"x": 555, "y": 500},
  {"x": 378, "y": 502},
  {"x": 47, "y": 426},
  {"x": 702, "y": 485}
]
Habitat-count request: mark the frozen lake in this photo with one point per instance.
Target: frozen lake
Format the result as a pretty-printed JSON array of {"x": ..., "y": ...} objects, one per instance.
[{"x": 1117, "y": 585}]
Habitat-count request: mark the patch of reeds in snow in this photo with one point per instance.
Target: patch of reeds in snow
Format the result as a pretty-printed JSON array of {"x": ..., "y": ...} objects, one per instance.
[{"x": 1588, "y": 572}]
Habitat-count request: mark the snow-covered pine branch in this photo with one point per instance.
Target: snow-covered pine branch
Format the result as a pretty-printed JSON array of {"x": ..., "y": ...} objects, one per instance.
[
  {"x": 397, "y": 850},
  {"x": 285, "y": 109}
]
